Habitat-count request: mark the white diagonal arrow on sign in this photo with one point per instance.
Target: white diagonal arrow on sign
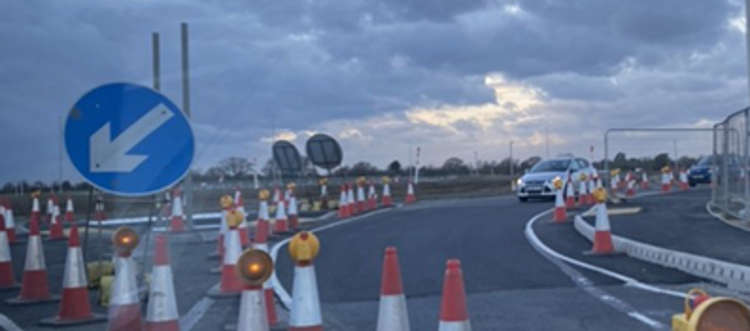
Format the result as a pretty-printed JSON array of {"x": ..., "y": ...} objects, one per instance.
[{"x": 111, "y": 155}]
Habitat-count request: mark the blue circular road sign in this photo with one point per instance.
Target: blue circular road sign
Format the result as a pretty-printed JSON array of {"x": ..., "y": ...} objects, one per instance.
[{"x": 128, "y": 139}]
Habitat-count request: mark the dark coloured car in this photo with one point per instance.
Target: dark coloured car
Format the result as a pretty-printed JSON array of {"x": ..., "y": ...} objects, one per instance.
[{"x": 700, "y": 173}]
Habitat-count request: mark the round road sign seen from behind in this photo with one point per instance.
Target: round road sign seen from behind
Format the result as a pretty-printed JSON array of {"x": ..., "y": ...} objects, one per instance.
[
  {"x": 287, "y": 157},
  {"x": 324, "y": 151}
]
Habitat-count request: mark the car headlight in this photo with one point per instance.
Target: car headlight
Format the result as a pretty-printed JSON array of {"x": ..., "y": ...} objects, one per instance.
[{"x": 519, "y": 182}]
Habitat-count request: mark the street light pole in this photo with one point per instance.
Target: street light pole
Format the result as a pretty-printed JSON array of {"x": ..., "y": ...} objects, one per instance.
[
  {"x": 186, "y": 109},
  {"x": 512, "y": 181}
]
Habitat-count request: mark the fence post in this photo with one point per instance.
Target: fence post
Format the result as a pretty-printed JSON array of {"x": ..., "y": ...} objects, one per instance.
[{"x": 724, "y": 168}]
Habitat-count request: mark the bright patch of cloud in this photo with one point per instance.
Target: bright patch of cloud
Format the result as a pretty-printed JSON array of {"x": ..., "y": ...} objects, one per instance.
[{"x": 281, "y": 135}]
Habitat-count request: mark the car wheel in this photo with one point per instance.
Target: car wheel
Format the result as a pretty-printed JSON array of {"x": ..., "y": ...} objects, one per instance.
[
  {"x": 522, "y": 199},
  {"x": 692, "y": 184}
]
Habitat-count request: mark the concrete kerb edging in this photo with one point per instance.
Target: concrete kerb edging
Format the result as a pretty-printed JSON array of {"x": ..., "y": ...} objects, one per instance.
[
  {"x": 724, "y": 219},
  {"x": 734, "y": 276},
  {"x": 284, "y": 298}
]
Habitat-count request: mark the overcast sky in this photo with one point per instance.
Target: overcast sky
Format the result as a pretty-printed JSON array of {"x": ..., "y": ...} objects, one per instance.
[{"x": 382, "y": 76}]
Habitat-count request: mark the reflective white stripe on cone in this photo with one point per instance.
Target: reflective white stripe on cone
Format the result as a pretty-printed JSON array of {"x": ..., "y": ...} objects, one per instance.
[
  {"x": 392, "y": 313},
  {"x": 602, "y": 236},
  {"x": 161, "y": 311},
  {"x": 252, "y": 315},
  {"x": 7, "y": 278},
  {"x": 124, "y": 306},
  {"x": 305, "y": 312},
  {"x": 10, "y": 224},
  {"x": 75, "y": 307},
  {"x": 454, "y": 315}
]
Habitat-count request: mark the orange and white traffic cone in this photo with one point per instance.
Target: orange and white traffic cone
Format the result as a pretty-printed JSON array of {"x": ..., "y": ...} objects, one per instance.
[
  {"x": 387, "y": 201},
  {"x": 35, "y": 215},
  {"x": 56, "y": 226},
  {"x": 560, "y": 215},
  {"x": 293, "y": 216},
  {"x": 176, "y": 222},
  {"x": 684, "y": 180},
  {"x": 602, "y": 235},
  {"x": 280, "y": 224},
  {"x": 392, "y": 314},
  {"x": 582, "y": 192},
  {"x": 305, "y": 313},
  {"x": 644, "y": 181},
  {"x": 75, "y": 307},
  {"x": 271, "y": 315},
  {"x": 7, "y": 278},
  {"x": 34, "y": 287},
  {"x": 161, "y": 310},
  {"x": 10, "y": 224},
  {"x": 50, "y": 208},
  {"x": 666, "y": 182},
  {"x": 351, "y": 202},
  {"x": 372, "y": 197},
  {"x": 590, "y": 190},
  {"x": 570, "y": 195},
  {"x": 69, "y": 210},
  {"x": 230, "y": 284},
  {"x": 262, "y": 227},
  {"x": 343, "y": 203},
  {"x": 276, "y": 195},
  {"x": 124, "y": 303},
  {"x": 631, "y": 188},
  {"x": 454, "y": 316},
  {"x": 410, "y": 197},
  {"x": 252, "y": 315},
  {"x": 362, "y": 205},
  {"x": 239, "y": 205}
]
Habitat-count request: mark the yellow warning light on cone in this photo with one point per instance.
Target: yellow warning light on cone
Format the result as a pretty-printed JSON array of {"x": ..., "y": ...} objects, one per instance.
[
  {"x": 703, "y": 312},
  {"x": 36, "y": 194},
  {"x": 254, "y": 267},
  {"x": 303, "y": 247},
  {"x": 124, "y": 239},
  {"x": 264, "y": 194},
  {"x": 614, "y": 172},
  {"x": 323, "y": 181},
  {"x": 386, "y": 179},
  {"x": 558, "y": 183},
  {"x": 234, "y": 218},
  {"x": 583, "y": 177},
  {"x": 665, "y": 169},
  {"x": 291, "y": 186},
  {"x": 226, "y": 201},
  {"x": 600, "y": 195}
]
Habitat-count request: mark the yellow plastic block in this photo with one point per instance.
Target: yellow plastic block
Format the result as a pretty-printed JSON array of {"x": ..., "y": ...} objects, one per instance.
[{"x": 679, "y": 322}]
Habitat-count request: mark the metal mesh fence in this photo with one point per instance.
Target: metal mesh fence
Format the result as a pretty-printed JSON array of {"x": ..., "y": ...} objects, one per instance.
[{"x": 730, "y": 183}]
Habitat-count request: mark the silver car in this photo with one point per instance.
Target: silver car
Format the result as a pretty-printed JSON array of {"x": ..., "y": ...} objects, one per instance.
[{"x": 537, "y": 182}]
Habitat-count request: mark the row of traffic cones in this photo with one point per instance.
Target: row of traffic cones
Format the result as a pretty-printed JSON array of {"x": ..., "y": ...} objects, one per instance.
[
  {"x": 349, "y": 206},
  {"x": 587, "y": 185}
]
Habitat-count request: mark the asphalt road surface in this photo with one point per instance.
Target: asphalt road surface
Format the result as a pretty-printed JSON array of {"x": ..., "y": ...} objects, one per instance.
[{"x": 510, "y": 285}]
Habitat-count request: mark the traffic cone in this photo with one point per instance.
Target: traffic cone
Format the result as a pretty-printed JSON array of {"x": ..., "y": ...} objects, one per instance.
[
  {"x": 124, "y": 303},
  {"x": 75, "y": 307},
  {"x": 56, "y": 226},
  {"x": 261, "y": 225},
  {"x": 161, "y": 310},
  {"x": 631, "y": 188},
  {"x": 305, "y": 313},
  {"x": 280, "y": 224},
  {"x": 684, "y": 181},
  {"x": 372, "y": 197},
  {"x": 34, "y": 287},
  {"x": 644, "y": 181},
  {"x": 271, "y": 315},
  {"x": 560, "y": 214},
  {"x": 7, "y": 278},
  {"x": 361, "y": 199},
  {"x": 602, "y": 235},
  {"x": 240, "y": 207},
  {"x": 666, "y": 182},
  {"x": 570, "y": 195},
  {"x": 35, "y": 213},
  {"x": 387, "y": 201},
  {"x": 252, "y": 315},
  {"x": 454, "y": 315},
  {"x": 10, "y": 224},
  {"x": 590, "y": 191},
  {"x": 343, "y": 203},
  {"x": 230, "y": 284},
  {"x": 583, "y": 192},
  {"x": 351, "y": 202},
  {"x": 392, "y": 314},
  {"x": 176, "y": 223},
  {"x": 293, "y": 217},
  {"x": 69, "y": 210},
  {"x": 50, "y": 208},
  {"x": 276, "y": 195},
  {"x": 410, "y": 197}
]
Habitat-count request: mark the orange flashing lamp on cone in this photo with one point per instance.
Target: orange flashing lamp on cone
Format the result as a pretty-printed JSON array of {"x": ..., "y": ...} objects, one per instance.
[{"x": 560, "y": 214}]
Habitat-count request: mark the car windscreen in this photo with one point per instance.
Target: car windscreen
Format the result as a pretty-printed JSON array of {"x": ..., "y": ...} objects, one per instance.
[
  {"x": 551, "y": 165},
  {"x": 705, "y": 161}
]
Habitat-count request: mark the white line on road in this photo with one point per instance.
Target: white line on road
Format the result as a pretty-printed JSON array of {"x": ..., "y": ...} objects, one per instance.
[
  {"x": 188, "y": 321},
  {"x": 7, "y": 324},
  {"x": 556, "y": 259}
]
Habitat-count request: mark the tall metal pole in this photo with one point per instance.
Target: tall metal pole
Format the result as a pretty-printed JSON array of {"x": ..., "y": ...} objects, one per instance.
[
  {"x": 59, "y": 154},
  {"x": 155, "y": 60},
  {"x": 747, "y": 38},
  {"x": 186, "y": 109},
  {"x": 510, "y": 159},
  {"x": 416, "y": 168}
]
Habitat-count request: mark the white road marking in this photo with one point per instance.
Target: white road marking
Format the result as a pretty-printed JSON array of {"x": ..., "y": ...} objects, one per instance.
[
  {"x": 284, "y": 296},
  {"x": 7, "y": 324},
  {"x": 188, "y": 321},
  {"x": 616, "y": 303}
]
